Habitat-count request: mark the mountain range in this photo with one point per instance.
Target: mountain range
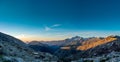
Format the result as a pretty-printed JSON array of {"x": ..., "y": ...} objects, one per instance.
[{"x": 75, "y": 49}]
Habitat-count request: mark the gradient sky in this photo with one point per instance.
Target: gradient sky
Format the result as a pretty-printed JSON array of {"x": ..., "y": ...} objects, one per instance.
[{"x": 59, "y": 19}]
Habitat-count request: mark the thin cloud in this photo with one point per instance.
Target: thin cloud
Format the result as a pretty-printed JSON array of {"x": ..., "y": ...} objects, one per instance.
[
  {"x": 56, "y": 25},
  {"x": 48, "y": 28}
]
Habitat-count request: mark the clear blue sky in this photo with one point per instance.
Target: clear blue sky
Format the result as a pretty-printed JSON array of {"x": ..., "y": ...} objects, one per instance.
[{"x": 58, "y": 19}]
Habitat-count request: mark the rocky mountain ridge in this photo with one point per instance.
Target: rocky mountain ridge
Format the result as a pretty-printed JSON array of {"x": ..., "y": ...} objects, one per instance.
[
  {"x": 14, "y": 50},
  {"x": 89, "y": 49}
]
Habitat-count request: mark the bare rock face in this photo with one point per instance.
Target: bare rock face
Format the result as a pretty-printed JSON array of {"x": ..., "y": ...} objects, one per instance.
[
  {"x": 14, "y": 50},
  {"x": 106, "y": 52},
  {"x": 95, "y": 50},
  {"x": 106, "y": 48}
]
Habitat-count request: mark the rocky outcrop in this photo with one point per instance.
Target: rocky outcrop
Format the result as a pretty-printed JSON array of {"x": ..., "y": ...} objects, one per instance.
[
  {"x": 111, "y": 57},
  {"x": 14, "y": 50}
]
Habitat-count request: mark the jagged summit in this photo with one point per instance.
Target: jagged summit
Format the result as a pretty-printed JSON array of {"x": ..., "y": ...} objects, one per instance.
[
  {"x": 94, "y": 46},
  {"x": 101, "y": 47},
  {"x": 115, "y": 36},
  {"x": 91, "y": 43},
  {"x": 76, "y": 38}
]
